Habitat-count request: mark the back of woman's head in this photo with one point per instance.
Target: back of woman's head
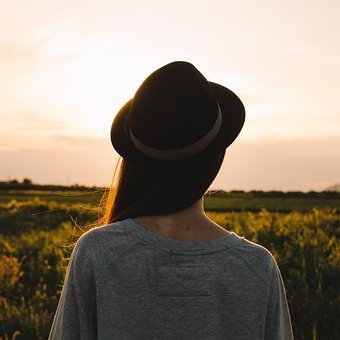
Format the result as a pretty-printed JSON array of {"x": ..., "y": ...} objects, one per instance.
[
  {"x": 143, "y": 189},
  {"x": 172, "y": 136}
]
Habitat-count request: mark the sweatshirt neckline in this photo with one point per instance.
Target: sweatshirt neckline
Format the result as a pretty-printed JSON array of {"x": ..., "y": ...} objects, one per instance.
[{"x": 181, "y": 246}]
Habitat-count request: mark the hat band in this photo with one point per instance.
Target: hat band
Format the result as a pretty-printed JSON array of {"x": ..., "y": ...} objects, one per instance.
[{"x": 180, "y": 153}]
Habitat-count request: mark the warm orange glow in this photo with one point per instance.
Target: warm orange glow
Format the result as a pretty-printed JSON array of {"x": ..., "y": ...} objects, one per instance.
[{"x": 66, "y": 70}]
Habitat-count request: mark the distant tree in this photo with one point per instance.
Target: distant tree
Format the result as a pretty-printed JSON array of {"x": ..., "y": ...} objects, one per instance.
[
  {"x": 27, "y": 181},
  {"x": 256, "y": 193},
  {"x": 237, "y": 191}
]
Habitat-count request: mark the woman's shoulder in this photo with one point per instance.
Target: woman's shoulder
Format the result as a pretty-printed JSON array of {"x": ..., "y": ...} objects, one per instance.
[
  {"x": 105, "y": 230},
  {"x": 100, "y": 240},
  {"x": 259, "y": 258}
]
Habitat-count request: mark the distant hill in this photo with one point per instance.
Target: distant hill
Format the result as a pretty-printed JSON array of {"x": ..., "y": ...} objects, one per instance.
[{"x": 335, "y": 187}]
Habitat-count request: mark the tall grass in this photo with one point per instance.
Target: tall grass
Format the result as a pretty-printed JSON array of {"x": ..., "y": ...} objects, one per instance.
[{"x": 37, "y": 237}]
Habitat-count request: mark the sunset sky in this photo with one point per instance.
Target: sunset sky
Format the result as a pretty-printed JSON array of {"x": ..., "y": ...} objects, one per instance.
[{"x": 66, "y": 67}]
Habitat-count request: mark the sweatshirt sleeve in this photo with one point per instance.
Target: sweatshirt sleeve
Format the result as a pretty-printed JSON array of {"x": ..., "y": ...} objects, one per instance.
[
  {"x": 278, "y": 322},
  {"x": 75, "y": 317}
]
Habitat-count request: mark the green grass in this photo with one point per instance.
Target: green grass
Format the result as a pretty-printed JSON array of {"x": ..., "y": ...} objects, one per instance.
[
  {"x": 37, "y": 237},
  {"x": 65, "y": 197},
  {"x": 231, "y": 202},
  {"x": 272, "y": 204}
]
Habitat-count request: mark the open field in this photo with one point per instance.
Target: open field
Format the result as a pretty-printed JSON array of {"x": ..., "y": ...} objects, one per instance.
[
  {"x": 64, "y": 197},
  {"x": 272, "y": 204},
  {"x": 38, "y": 229},
  {"x": 228, "y": 202}
]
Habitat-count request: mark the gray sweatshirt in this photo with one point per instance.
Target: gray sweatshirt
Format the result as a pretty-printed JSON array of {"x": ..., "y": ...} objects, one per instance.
[{"x": 124, "y": 282}]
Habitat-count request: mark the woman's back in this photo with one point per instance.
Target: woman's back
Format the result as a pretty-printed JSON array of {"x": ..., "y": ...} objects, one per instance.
[{"x": 124, "y": 282}]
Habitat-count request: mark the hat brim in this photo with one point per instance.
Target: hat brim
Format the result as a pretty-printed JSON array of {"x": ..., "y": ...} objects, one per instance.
[{"x": 233, "y": 117}]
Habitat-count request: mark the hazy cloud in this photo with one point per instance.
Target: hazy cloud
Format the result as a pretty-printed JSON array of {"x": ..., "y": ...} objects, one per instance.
[
  {"x": 289, "y": 164},
  {"x": 299, "y": 164}
]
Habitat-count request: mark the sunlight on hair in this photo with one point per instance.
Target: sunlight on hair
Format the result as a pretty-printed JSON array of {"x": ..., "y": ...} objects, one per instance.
[{"x": 109, "y": 196}]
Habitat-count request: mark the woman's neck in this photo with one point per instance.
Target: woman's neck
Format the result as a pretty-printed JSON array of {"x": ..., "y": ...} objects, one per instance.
[{"x": 189, "y": 224}]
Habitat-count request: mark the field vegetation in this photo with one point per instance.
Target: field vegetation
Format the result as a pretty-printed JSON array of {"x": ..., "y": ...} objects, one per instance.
[{"x": 39, "y": 227}]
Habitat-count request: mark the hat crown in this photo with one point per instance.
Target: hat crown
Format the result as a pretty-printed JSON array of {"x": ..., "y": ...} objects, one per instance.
[{"x": 174, "y": 107}]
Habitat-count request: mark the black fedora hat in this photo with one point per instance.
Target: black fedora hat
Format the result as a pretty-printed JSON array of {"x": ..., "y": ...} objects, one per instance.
[{"x": 177, "y": 117}]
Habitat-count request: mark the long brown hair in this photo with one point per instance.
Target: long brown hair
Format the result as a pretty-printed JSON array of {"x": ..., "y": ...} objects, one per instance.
[{"x": 139, "y": 189}]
